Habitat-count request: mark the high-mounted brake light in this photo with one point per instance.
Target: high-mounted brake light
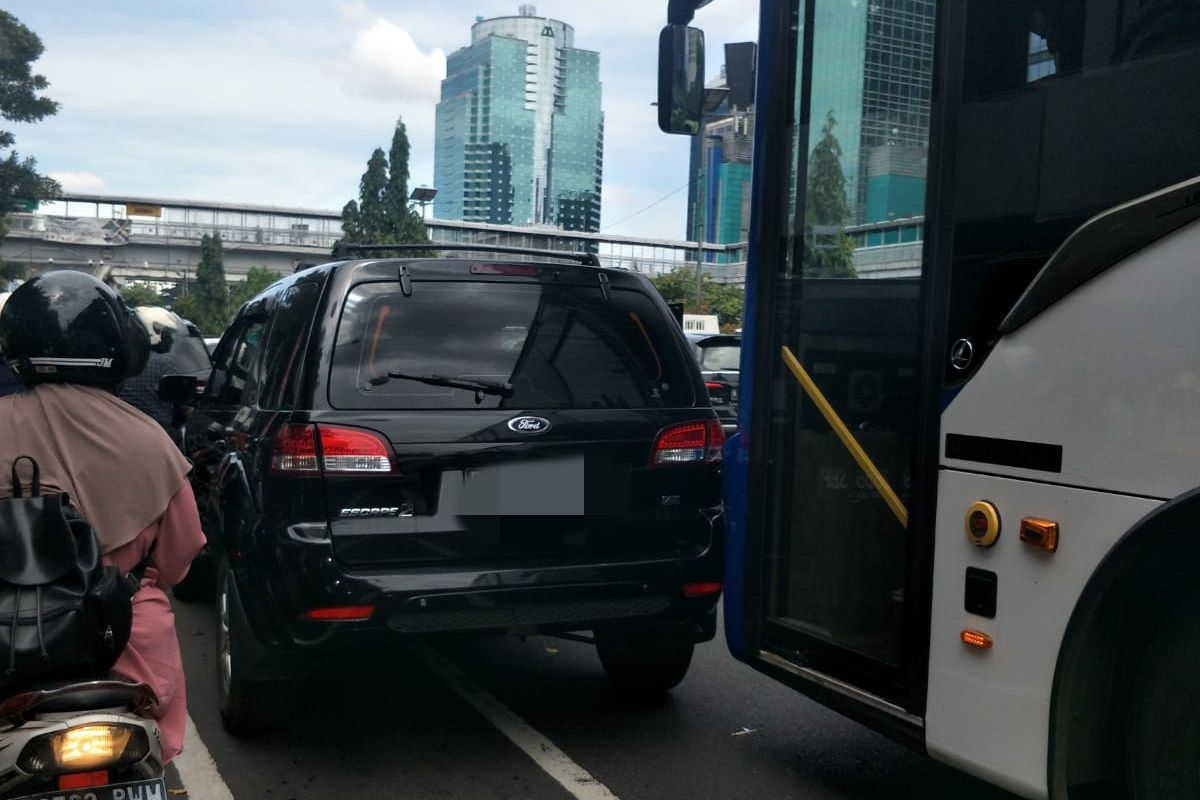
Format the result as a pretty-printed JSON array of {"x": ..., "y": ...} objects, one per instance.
[
  {"x": 697, "y": 442},
  {"x": 520, "y": 270},
  {"x": 309, "y": 449}
]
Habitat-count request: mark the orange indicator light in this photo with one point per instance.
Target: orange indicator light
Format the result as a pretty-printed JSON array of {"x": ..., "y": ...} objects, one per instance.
[
  {"x": 976, "y": 639},
  {"x": 1041, "y": 533}
]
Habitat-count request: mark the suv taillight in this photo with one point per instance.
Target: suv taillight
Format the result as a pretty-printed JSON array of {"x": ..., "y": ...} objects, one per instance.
[
  {"x": 697, "y": 442},
  {"x": 308, "y": 449},
  {"x": 718, "y": 392}
]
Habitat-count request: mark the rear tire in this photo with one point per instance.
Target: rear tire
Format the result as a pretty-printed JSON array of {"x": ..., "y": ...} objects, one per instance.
[
  {"x": 644, "y": 663},
  {"x": 1163, "y": 743},
  {"x": 247, "y": 705}
]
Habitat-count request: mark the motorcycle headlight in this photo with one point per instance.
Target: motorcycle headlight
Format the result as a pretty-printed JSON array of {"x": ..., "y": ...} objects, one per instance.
[{"x": 83, "y": 748}]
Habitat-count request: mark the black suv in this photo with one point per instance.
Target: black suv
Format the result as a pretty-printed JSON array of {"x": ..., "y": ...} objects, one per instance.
[{"x": 410, "y": 446}]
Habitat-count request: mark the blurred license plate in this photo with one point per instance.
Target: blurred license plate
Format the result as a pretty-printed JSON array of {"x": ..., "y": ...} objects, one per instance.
[
  {"x": 540, "y": 487},
  {"x": 139, "y": 790}
]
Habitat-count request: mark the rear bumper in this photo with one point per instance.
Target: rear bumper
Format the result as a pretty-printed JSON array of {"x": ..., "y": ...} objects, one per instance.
[{"x": 295, "y": 572}]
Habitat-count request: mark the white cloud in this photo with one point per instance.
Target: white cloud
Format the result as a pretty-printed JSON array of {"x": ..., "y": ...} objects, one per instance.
[
  {"x": 284, "y": 108},
  {"x": 385, "y": 63},
  {"x": 80, "y": 182}
]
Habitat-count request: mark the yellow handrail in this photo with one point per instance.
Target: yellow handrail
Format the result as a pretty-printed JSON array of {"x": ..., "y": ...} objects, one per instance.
[{"x": 864, "y": 461}]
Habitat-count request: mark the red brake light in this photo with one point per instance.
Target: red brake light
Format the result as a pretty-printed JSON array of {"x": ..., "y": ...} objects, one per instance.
[
  {"x": 339, "y": 614},
  {"x": 353, "y": 450},
  {"x": 701, "y": 588},
  {"x": 342, "y": 450},
  {"x": 295, "y": 450},
  {"x": 718, "y": 392},
  {"x": 697, "y": 442}
]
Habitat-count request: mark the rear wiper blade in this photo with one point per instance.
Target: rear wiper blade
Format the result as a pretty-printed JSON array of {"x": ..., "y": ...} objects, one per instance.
[{"x": 480, "y": 388}]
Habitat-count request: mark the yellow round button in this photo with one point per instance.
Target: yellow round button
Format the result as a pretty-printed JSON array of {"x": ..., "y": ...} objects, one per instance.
[{"x": 983, "y": 523}]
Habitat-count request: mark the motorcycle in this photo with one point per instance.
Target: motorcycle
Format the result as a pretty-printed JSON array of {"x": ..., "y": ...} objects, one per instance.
[{"x": 81, "y": 740}]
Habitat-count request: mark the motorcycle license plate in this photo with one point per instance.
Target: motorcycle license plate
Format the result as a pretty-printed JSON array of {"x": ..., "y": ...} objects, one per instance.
[{"x": 154, "y": 789}]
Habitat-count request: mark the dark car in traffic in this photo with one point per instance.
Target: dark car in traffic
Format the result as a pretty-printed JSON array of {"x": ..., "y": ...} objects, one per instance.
[
  {"x": 718, "y": 355},
  {"x": 398, "y": 447}
]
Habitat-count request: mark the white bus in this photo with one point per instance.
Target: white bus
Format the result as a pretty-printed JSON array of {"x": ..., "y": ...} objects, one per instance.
[{"x": 963, "y": 505}]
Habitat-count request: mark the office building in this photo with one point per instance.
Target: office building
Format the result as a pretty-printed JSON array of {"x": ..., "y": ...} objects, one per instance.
[{"x": 520, "y": 131}]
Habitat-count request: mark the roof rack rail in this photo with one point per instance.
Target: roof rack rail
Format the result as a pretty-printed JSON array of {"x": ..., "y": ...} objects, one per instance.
[{"x": 342, "y": 250}]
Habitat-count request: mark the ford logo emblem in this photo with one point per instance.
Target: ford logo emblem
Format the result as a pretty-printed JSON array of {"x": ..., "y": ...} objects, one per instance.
[{"x": 528, "y": 425}]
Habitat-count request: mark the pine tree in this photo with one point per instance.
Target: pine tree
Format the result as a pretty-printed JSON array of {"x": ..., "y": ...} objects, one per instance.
[
  {"x": 211, "y": 292},
  {"x": 827, "y": 255},
  {"x": 381, "y": 214},
  {"x": 395, "y": 194},
  {"x": 20, "y": 101},
  {"x": 371, "y": 202}
]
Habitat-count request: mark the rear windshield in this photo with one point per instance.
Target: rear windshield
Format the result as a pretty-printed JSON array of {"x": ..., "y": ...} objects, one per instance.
[
  {"x": 190, "y": 355},
  {"x": 720, "y": 358},
  {"x": 557, "y": 346}
]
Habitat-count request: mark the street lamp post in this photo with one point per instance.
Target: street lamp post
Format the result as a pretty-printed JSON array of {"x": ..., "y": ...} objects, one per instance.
[{"x": 422, "y": 196}]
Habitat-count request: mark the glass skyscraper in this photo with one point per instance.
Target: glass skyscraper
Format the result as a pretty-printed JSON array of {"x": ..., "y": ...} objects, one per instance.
[
  {"x": 871, "y": 70},
  {"x": 520, "y": 133}
]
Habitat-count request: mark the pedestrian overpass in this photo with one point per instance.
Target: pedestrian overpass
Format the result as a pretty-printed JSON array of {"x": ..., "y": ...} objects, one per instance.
[{"x": 157, "y": 240}]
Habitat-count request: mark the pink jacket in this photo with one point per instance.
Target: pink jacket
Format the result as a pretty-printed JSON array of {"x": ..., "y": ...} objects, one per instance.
[{"x": 152, "y": 655}]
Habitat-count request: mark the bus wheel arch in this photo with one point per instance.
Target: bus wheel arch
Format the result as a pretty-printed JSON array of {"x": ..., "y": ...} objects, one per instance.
[{"x": 1149, "y": 573}]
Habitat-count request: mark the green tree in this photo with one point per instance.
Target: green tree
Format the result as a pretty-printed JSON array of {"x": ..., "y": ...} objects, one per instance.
[
  {"x": 828, "y": 251},
  {"x": 381, "y": 214},
  {"x": 728, "y": 302},
  {"x": 135, "y": 294},
  {"x": 210, "y": 291},
  {"x": 725, "y": 300},
  {"x": 257, "y": 279},
  {"x": 185, "y": 306},
  {"x": 20, "y": 101},
  {"x": 11, "y": 272}
]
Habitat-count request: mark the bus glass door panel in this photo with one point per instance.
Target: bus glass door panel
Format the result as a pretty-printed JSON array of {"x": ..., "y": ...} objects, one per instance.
[{"x": 836, "y": 548}]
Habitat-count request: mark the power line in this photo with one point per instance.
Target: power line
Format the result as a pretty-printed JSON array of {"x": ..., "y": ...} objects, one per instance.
[{"x": 652, "y": 205}]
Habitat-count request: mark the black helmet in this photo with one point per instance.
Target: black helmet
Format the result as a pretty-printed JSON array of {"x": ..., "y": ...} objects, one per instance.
[{"x": 68, "y": 327}]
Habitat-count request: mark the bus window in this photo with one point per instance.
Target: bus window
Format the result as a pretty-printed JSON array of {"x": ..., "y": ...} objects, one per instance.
[{"x": 1062, "y": 116}]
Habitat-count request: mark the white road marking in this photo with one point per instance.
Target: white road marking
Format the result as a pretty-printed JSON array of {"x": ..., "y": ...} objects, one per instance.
[
  {"x": 197, "y": 769},
  {"x": 557, "y": 764}
]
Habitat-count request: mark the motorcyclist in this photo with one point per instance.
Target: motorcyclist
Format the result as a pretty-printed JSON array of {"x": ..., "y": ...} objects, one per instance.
[
  {"x": 141, "y": 390},
  {"x": 72, "y": 340}
]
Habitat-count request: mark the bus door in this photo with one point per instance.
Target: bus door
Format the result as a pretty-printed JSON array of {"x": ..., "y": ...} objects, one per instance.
[{"x": 838, "y": 395}]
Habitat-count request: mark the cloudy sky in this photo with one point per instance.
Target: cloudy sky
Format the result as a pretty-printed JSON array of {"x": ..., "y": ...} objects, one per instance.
[{"x": 282, "y": 101}]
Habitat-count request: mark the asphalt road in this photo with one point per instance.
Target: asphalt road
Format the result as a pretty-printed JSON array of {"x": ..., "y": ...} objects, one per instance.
[{"x": 394, "y": 726}]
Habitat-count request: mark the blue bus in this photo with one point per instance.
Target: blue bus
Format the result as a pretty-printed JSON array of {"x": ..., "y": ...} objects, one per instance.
[{"x": 964, "y": 496}]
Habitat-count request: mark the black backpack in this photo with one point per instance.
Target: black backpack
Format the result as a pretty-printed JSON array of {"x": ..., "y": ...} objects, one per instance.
[{"x": 63, "y": 614}]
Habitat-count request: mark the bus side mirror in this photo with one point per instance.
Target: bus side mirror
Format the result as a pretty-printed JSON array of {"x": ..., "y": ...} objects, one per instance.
[{"x": 680, "y": 79}]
